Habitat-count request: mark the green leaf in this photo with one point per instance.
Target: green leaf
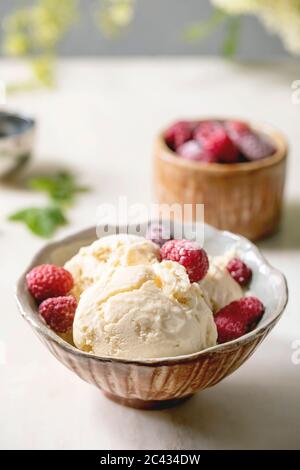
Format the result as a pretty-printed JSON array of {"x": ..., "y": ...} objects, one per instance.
[
  {"x": 42, "y": 221},
  {"x": 61, "y": 188},
  {"x": 231, "y": 41},
  {"x": 200, "y": 30}
]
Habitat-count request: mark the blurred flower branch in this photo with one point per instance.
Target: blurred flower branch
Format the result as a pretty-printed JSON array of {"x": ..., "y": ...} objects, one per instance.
[
  {"x": 34, "y": 33},
  {"x": 281, "y": 17},
  {"x": 199, "y": 30},
  {"x": 114, "y": 16}
]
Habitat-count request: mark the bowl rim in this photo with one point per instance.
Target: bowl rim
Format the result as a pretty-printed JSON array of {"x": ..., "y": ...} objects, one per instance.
[
  {"x": 44, "y": 330},
  {"x": 277, "y": 136}
]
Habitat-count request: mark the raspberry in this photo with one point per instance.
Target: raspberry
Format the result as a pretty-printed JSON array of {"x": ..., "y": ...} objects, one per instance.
[
  {"x": 209, "y": 157},
  {"x": 238, "y": 317},
  {"x": 191, "y": 150},
  {"x": 253, "y": 145},
  {"x": 205, "y": 129},
  {"x": 48, "y": 280},
  {"x": 158, "y": 234},
  {"x": 239, "y": 271},
  {"x": 178, "y": 134},
  {"x": 217, "y": 144},
  {"x": 229, "y": 329},
  {"x": 236, "y": 126},
  {"x": 252, "y": 309},
  {"x": 59, "y": 312},
  {"x": 189, "y": 254}
]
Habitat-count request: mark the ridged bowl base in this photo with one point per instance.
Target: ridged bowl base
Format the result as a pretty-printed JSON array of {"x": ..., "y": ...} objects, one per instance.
[{"x": 146, "y": 404}]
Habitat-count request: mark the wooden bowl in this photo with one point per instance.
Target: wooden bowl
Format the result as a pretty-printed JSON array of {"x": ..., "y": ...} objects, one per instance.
[
  {"x": 158, "y": 383},
  {"x": 245, "y": 198}
]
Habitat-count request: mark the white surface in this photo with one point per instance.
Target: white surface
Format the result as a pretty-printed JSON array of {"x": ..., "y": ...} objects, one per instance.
[{"x": 101, "y": 119}]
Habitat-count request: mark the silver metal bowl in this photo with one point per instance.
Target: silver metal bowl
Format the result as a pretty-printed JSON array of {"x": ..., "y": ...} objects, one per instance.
[{"x": 16, "y": 141}]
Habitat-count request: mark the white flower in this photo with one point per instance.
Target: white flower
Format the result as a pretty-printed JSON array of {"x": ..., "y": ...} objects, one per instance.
[{"x": 280, "y": 16}]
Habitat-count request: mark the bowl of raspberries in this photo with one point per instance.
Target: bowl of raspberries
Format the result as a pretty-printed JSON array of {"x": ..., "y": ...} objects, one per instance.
[
  {"x": 234, "y": 293},
  {"x": 235, "y": 168}
]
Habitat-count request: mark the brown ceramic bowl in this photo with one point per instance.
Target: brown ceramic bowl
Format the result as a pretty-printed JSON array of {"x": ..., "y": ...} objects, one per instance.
[
  {"x": 245, "y": 198},
  {"x": 156, "y": 383}
]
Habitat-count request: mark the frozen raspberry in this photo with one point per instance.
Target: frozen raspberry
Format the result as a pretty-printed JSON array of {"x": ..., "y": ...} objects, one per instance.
[
  {"x": 252, "y": 309},
  {"x": 238, "y": 127},
  {"x": 253, "y": 145},
  {"x": 48, "y": 280},
  {"x": 238, "y": 317},
  {"x": 217, "y": 144},
  {"x": 178, "y": 133},
  {"x": 59, "y": 312},
  {"x": 191, "y": 150},
  {"x": 205, "y": 129},
  {"x": 239, "y": 271},
  {"x": 209, "y": 157},
  {"x": 189, "y": 254},
  {"x": 158, "y": 234},
  {"x": 229, "y": 329}
]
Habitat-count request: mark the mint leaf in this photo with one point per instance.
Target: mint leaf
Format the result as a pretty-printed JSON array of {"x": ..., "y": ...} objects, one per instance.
[
  {"x": 61, "y": 187},
  {"x": 42, "y": 221}
]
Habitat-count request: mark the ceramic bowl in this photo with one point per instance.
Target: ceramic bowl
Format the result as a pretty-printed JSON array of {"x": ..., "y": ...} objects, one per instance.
[
  {"x": 155, "y": 383},
  {"x": 245, "y": 198},
  {"x": 16, "y": 141}
]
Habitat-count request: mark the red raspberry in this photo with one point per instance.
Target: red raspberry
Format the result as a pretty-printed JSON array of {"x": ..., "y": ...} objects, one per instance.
[
  {"x": 252, "y": 145},
  {"x": 59, "y": 312},
  {"x": 237, "y": 126},
  {"x": 189, "y": 254},
  {"x": 229, "y": 329},
  {"x": 239, "y": 271},
  {"x": 190, "y": 150},
  {"x": 209, "y": 157},
  {"x": 217, "y": 144},
  {"x": 238, "y": 317},
  {"x": 205, "y": 129},
  {"x": 255, "y": 146},
  {"x": 158, "y": 233},
  {"x": 252, "y": 309},
  {"x": 193, "y": 150},
  {"x": 48, "y": 280},
  {"x": 178, "y": 133}
]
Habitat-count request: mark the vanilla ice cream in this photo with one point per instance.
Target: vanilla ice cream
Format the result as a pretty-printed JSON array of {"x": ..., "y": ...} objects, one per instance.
[
  {"x": 144, "y": 311},
  {"x": 218, "y": 286},
  {"x": 87, "y": 265}
]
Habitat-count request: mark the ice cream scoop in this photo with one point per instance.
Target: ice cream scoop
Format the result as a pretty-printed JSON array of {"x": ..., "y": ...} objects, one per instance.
[
  {"x": 144, "y": 311},
  {"x": 218, "y": 286},
  {"x": 88, "y": 264}
]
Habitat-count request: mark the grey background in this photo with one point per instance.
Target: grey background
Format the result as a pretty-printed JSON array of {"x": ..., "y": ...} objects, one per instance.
[{"x": 157, "y": 29}]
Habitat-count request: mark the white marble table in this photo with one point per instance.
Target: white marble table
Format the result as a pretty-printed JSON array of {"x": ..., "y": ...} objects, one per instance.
[{"x": 101, "y": 120}]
